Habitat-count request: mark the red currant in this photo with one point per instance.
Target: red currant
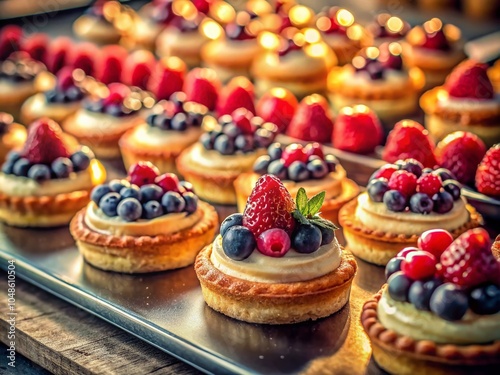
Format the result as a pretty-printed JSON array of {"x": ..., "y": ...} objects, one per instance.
[
  {"x": 406, "y": 251},
  {"x": 293, "y": 152},
  {"x": 273, "y": 242},
  {"x": 314, "y": 149},
  {"x": 429, "y": 184},
  {"x": 143, "y": 173},
  {"x": 168, "y": 182},
  {"x": 403, "y": 181},
  {"x": 419, "y": 265},
  {"x": 435, "y": 241}
]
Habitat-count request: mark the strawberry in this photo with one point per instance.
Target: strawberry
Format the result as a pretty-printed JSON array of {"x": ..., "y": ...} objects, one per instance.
[
  {"x": 65, "y": 78},
  {"x": 143, "y": 173},
  {"x": 10, "y": 40},
  {"x": 460, "y": 152},
  {"x": 238, "y": 93},
  {"x": 277, "y": 106},
  {"x": 312, "y": 121},
  {"x": 357, "y": 129},
  {"x": 202, "y": 6},
  {"x": 468, "y": 261},
  {"x": 436, "y": 40},
  {"x": 110, "y": 64},
  {"x": 137, "y": 68},
  {"x": 36, "y": 45},
  {"x": 58, "y": 53},
  {"x": 82, "y": 57},
  {"x": 242, "y": 118},
  {"x": 409, "y": 140},
  {"x": 269, "y": 206},
  {"x": 488, "y": 173},
  {"x": 167, "y": 77},
  {"x": 470, "y": 80},
  {"x": 202, "y": 86},
  {"x": 117, "y": 93},
  {"x": 44, "y": 143}
]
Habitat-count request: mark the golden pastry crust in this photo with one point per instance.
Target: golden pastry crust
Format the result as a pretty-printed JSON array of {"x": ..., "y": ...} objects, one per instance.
[
  {"x": 146, "y": 253},
  {"x": 495, "y": 249},
  {"x": 276, "y": 303},
  {"x": 13, "y": 138},
  {"x": 399, "y": 354}
]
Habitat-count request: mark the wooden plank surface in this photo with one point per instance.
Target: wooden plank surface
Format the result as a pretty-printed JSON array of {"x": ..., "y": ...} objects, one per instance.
[{"x": 66, "y": 340}]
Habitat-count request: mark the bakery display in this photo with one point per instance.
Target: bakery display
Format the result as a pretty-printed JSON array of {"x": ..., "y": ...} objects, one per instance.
[
  {"x": 96, "y": 24},
  {"x": 12, "y": 135},
  {"x": 278, "y": 262},
  {"x": 439, "y": 311},
  {"x": 47, "y": 181},
  {"x": 146, "y": 223}
]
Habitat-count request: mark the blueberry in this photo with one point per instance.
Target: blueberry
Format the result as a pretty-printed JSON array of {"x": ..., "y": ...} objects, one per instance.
[
  {"x": 62, "y": 167},
  {"x": 263, "y": 137},
  {"x": 449, "y": 302},
  {"x": 412, "y": 166},
  {"x": 244, "y": 142},
  {"x": 317, "y": 168},
  {"x": 331, "y": 161},
  {"x": 80, "y": 160},
  {"x": 179, "y": 122},
  {"x": 150, "y": 192},
  {"x": 131, "y": 192},
  {"x": 275, "y": 151},
  {"x": 485, "y": 299},
  {"x": 297, "y": 171},
  {"x": 238, "y": 242},
  {"x": 224, "y": 145},
  {"x": 376, "y": 189},
  {"x": 115, "y": 110},
  {"x": 191, "y": 201},
  {"x": 109, "y": 203},
  {"x": 162, "y": 122},
  {"x": 306, "y": 238},
  {"x": 178, "y": 98},
  {"x": 129, "y": 209},
  {"x": 195, "y": 119},
  {"x": 230, "y": 221},
  {"x": 13, "y": 156},
  {"x": 152, "y": 209},
  {"x": 117, "y": 185},
  {"x": 74, "y": 93},
  {"x": 443, "y": 202},
  {"x": 51, "y": 96},
  {"x": 393, "y": 266},
  {"x": 421, "y": 203},
  {"x": 98, "y": 192},
  {"x": 231, "y": 130},
  {"x": 150, "y": 120},
  {"x": 39, "y": 172},
  {"x": 394, "y": 200},
  {"x": 172, "y": 202},
  {"x": 206, "y": 141},
  {"x": 327, "y": 235},
  {"x": 420, "y": 293},
  {"x": 444, "y": 174},
  {"x": 188, "y": 186},
  {"x": 453, "y": 187},
  {"x": 21, "y": 167},
  {"x": 7, "y": 167},
  {"x": 398, "y": 286},
  {"x": 277, "y": 168},
  {"x": 261, "y": 164}
]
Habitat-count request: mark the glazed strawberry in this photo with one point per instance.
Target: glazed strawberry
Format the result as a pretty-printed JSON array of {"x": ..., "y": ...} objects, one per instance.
[
  {"x": 436, "y": 40},
  {"x": 202, "y": 86},
  {"x": 168, "y": 182},
  {"x": 143, "y": 173},
  {"x": 294, "y": 152},
  {"x": 461, "y": 152},
  {"x": 403, "y": 181},
  {"x": 238, "y": 93},
  {"x": 44, "y": 143},
  {"x": 357, "y": 129},
  {"x": 409, "y": 140},
  {"x": 385, "y": 172},
  {"x": 82, "y": 57},
  {"x": 488, "y": 173},
  {"x": 269, "y": 206},
  {"x": 58, "y": 53},
  {"x": 117, "y": 93},
  {"x": 312, "y": 120},
  {"x": 277, "y": 106},
  {"x": 65, "y": 79},
  {"x": 243, "y": 120},
  {"x": 10, "y": 40},
  {"x": 36, "y": 45},
  {"x": 110, "y": 64},
  {"x": 468, "y": 261},
  {"x": 429, "y": 184},
  {"x": 470, "y": 80},
  {"x": 138, "y": 68},
  {"x": 167, "y": 77}
]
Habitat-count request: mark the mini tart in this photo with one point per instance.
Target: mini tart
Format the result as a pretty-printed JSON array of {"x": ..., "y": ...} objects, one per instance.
[
  {"x": 444, "y": 115},
  {"x": 399, "y": 354},
  {"x": 37, "y": 106},
  {"x": 13, "y": 138},
  {"x": 96, "y": 29},
  {"x": 275, "y": 303},
  {"x": 141, "y": 254},
  {"x": 378, "y": 247}
]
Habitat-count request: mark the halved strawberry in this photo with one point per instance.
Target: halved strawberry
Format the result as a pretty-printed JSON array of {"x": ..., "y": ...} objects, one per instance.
[
  {"x": 44, "y": 143},
  {"x": 83, "y": 57},
  {"x": 488, "y": 173},
  {"x": 238, "y": 93},
  {"x": 10, "y": 40},
  {"x": 470, "y": 80},
  {"x": 59, "y": 51},
  {"x": 36, "y": 45},
  {"x": 167, "y": 77},
  {"x": 278, "y": 106},
  {"x": 202, "y": 86},
  {"x": 110, "y": 64},
  {"x": 137, "y": 68}
]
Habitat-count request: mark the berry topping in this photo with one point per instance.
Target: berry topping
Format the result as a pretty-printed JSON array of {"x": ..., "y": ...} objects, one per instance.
[
  {"x": 230, "y": 221},
  {"x": 485, "y": 299},
  {"x": 59, "y": 52},
  {"x": 394, "y": 200},
  {"x": 162, "y": 11},
  {"x": 306, "y": 238},
  {"x": 429, "y": 184},
  {"x": 110, "y": 64},
  {"x": 386, "y": 26},
  {"x": 62, "y": 167},
  {"x": 109, "y": 204},
  {"x": 390, "y": 56},
  {"x": 44, "y": 143},
  {"x": 292, "y": 153},
  {"x": 202, "y": 86},
  {"x": 419, "y": 265},
  {"x": 137, "y": 68},
  {"x": 312, "y": 120},
  {"x": 39, "y": 172},
  {"x": 421, "y": 203},
  {"x": 146, "y": 193},
  {"x": 453, "y": 188},
  {"x": 403, "y": 181},
  {"x": 488, "y": 173},
  {"x": 98, "y": 192},
  {"x": 449, "y": 302},
  {"x": 173, "y": 202},
  {"x": 167, "y": 77},
  {"x": 420, "y": 293},
  {"x": 238, "y": 242},
  {"x": 278, "y": 106},
  {"x": 470, "y": 80},
  {"x": 5, "y": 121},
  {"x": 242, "y": 118},
  {"x": 129, "y": 209},
  {"x": 168, "y": 182},
  {"x": 393, "y": 266},
  {"x": 36, "y": 46},
  {"x": 399, "y": 286},
  {"x": 385, "y": 172},
  {"x": 357, "y": 129},
  {"x": 152, "y": 210},
  {"x": 82, "y": 57},
  {"x": 239, "y": 29},
  {"x": 461, "y": 152},
  {"x": 443, "y": 202},
  {"x": 238, "y": 93},
  {"x": 376, "y": 189},
  {"x": 143, "y": 173},
  {"x": 20, "y": 67},
  {"x": 10, "y": 40},
  {"x": 435, "y": 241},
  {"x": 407, "y": 250},
  {"x": 411, "y": 165},
  {"x": 176, "y": 114},
  {"x": 273, "y": 242}
]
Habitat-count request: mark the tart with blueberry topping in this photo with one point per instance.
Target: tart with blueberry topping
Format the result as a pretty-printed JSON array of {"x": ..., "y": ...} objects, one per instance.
[
  {"x": 278, "y": 262},
  {"x": 401, "y": 201},
  {"x": 301, "y": 166},
  {"x": 147, "y": 222},
  {"x": 439, "y": 312},
  {"x": 172, "y": 127},
  {"x": 12, "y": 135},
  {"x": 227, "y": 149},
  {"x": 46, "y": 182},
  {"x": 96, "y": 25}
]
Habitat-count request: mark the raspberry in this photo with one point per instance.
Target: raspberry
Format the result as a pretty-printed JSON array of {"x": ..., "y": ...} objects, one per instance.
[
  {"x": 143, "y": 173},
  {"x": 44, "y": 143},
  {"x": 294, "y": 152},
  {"x": 429, "y": 184},
  {"x": 435, "y": 241},
  {"x": 488, "y": 173},
  {"x": 384, "y": 172},
  {"x": 269, "y": 206},
  {"x": 403, "y": 181},
  {"x": 314, "y": 149},
  {"x": 273, "y": 242},
  {"x": 419, "y": 265},
  {"x": 169, "y": 182}
]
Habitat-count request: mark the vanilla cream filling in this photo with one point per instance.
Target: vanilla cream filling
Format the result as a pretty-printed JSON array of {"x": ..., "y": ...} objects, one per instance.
[
  {"x": 94, "y": 122},
  {"x": 150, "y": 136},
  {"x": 166, "y": 224},
  {"x": 37, "y": 106},
  {"x": 470, "y": 104},
  {"x": 376, "y": 216},
  {"x": 404, "y": 319},
  {"x": 293, "y": 267}
]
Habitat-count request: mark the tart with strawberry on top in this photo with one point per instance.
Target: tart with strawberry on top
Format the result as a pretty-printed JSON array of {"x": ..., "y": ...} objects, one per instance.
[
  {"x": 96, "y": 25},
  {"x": 12, "y": 135},
  {"x": 439, "y": 312},
  {"x": 147, "y": 222},
  {"x": 301, "y": 166},
  {"x": 403, "y": 200},
  {"x": 229, "y": 147},
  {"x": 487, "y": 176},
  {"x": 278, "y": 262},
  {"x": 466, "y": 101},
  {"x": 46, "y": 182}
]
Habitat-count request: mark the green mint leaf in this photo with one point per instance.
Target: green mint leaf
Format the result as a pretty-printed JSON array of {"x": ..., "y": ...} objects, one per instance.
[
  {"x": 301, "y": 200},
  {"x": 315, "y": 203},
  {"x": 297, "y": 215},
  {"x": 320, "y": 222}
]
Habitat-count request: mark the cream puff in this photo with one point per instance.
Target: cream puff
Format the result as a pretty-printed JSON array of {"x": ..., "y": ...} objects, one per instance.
[
  {"x": 96, "y": 26},
  {"x": 12, "y": 135}
]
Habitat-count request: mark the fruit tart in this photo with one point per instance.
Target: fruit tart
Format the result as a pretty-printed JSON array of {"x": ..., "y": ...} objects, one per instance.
[
  {"x": 402, "y": 201},
  {"x": 301, "y": 166},
  {"x": 439, "y": 312},
  {"x": 467, "y": 101},
  {"x": 172, "y": 127},
  {"x": 229, "y": 147},
  {"x": 46, "y": 182},
  {"x": 100, "y": 122},
  {"x": 385, "y": 28},
  {"x": 434, "y": 48},
  {"x": 12, "y": 135},
  {"x": 96, "y": 26},
  {"x": 145, "y": 223},
  {"x": 277, "y": 263}
]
